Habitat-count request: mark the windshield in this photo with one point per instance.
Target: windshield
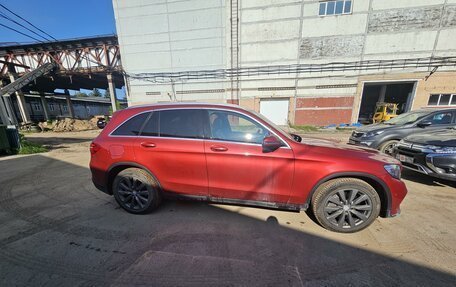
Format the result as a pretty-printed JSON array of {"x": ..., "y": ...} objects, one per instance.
[{"x": 406, "y": 118}]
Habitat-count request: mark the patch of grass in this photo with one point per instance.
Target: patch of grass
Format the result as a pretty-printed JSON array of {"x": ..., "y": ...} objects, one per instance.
[
  {"x": 28, "y": 147},
  {"x": 305, "y": 128}
]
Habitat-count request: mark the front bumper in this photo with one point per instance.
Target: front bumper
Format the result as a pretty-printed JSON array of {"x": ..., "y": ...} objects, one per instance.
[
  {"x": 366, "y": 142},
  {"x": 427, "y": 162},
  {"x": 395, "y": 213},
  {"x": 398, "y": 191}
]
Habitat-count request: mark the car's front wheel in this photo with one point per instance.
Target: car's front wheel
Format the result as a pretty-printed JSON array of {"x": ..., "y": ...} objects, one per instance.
[
  {"x": 136, "y": 191},
  {"x": 345, "y": 204},
  {"x": 388, "y": 147}
]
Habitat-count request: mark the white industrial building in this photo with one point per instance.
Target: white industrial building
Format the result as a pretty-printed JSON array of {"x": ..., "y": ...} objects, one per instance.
[{"x": 296, "y": 61}]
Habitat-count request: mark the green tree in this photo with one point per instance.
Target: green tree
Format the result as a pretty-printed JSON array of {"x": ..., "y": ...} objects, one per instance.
[
  {"x": 118, "y": 107},
  {"x": 107, "y": 94},
  {"x": 96, "y": 93},
  {"x": 80, "y": 95}
]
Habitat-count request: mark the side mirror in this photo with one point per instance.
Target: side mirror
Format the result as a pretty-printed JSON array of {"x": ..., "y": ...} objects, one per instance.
[
  {"x": 424, "y": 124},
  {"x": 271, "y": 143},
  {"x": 296, "y": 137}
]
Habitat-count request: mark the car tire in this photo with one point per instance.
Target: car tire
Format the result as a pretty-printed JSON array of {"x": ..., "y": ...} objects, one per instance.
[
  {"x": 136, "y": 191},
  {"x": 345, "y": 205},
  {"x": 388, "y": 146}
]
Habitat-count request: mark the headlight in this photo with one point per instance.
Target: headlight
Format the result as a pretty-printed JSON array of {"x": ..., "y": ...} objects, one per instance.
[
  {"x": 371, "y": 134},
  {"x": 394, "y": 170},
  {"x": 441, "y": 149}
]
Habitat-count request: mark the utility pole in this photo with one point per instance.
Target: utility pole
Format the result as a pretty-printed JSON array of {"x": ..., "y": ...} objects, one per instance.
[{"x": 112, "y": 92}]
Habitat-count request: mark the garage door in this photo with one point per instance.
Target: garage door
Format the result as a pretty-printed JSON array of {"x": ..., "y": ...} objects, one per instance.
[{"x": 275, "y": 110}]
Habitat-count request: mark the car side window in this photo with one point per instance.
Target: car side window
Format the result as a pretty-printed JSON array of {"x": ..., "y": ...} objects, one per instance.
[
  {"x": 151, "y": 127},
  {"x": 443, "y": 118},
  {"x": 181, "y": 123},
  {"x": 231, "y": 126},
  {"x": 131, "y": 127}
]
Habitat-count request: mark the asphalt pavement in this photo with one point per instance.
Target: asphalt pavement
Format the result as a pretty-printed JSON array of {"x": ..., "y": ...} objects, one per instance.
[{"x": 56, "y": 229}]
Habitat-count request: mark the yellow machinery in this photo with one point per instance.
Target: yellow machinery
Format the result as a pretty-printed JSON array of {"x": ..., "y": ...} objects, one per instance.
[{"x": 384, "y": 112}]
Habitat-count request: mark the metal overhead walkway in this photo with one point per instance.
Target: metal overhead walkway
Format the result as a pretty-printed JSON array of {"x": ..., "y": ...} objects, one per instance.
[
  {"x": 82, "y": 63},
  {"x": 6, "y": 108}
]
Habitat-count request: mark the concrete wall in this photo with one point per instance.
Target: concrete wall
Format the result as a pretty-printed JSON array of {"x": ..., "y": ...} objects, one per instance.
[
  {"x": 170, "y": 36},
  {"x": 176, "y": 35}
]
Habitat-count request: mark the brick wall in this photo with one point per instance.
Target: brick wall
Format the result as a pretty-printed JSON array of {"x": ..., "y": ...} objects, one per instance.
[
  {"x": 323, "y": 111},
  {"x": 234, "y": 102},
  {"x": 324, "y": 102}
]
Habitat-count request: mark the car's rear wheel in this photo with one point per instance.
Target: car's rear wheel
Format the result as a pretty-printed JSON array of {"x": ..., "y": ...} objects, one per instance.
[
  {"x": 136, "y": 191},
  {"x": 388, "y": 147},
  {"x": 345, "y": 205}
]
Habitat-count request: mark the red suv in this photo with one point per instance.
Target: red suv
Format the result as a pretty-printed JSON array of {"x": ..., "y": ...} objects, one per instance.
[{"x": 226, "y": 154}]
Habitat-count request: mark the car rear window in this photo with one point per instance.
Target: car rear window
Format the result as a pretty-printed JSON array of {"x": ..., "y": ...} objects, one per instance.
[{"x": 131, "y": 127}]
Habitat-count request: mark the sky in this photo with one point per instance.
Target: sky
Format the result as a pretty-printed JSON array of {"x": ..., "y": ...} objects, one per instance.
[{"x": 62, "y": 19}]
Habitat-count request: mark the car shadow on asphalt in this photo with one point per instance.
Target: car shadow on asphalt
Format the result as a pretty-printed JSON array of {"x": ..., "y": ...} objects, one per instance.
[
  {"x": 57, "y": 229},
  {"x": 426, "y": 179}
]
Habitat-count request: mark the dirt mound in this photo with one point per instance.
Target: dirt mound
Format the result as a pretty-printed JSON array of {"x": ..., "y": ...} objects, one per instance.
[{"x": 69, "y": 125}]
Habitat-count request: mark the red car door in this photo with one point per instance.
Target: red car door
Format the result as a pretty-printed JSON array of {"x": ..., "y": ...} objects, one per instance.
[
  {"x": 171, "y": 146},
  {"x": 238, "y": 168}
]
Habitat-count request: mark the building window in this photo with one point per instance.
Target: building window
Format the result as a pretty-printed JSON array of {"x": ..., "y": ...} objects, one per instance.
[
  {"x": 65, "y": 108},
  {"x": 442, "y": 100},
  {"x": 335, "y": 7},
  {"x": 51, "y": 107},
  {"x": 36, "y": 106}
]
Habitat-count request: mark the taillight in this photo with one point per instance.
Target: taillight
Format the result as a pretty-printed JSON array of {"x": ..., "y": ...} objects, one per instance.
[{"x": 94, "y": 148}]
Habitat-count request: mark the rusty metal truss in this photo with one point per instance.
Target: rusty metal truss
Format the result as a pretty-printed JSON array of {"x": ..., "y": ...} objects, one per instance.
[
  {"x": 73, "y": 57},
  {"x": 27, "y": 78}
]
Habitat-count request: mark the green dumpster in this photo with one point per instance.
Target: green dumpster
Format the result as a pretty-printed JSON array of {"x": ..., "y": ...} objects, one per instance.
[
  {"x": 13, "y": 137},
  {"x": 4, "y": 143},
  {"x": 9, "y": 139}
]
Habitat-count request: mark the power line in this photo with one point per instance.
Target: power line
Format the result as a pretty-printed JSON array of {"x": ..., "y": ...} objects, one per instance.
[
  {"x": 20, "y": 32},
  {"x": 365, "y": 65},
  {"x": 17, "y": 23},
  {"x": 27, "y": 22}
]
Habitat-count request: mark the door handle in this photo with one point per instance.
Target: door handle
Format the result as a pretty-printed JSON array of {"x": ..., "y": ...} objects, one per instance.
[
  {"x": 218, "y": 148},
  {"x": 147, "y": 144}
]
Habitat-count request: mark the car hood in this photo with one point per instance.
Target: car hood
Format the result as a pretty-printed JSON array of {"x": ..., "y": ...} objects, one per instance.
[
  {"x": 376, "y": 127},
  {"x": 350, "y": 150},
  {"x": 445, "y": 137}
]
